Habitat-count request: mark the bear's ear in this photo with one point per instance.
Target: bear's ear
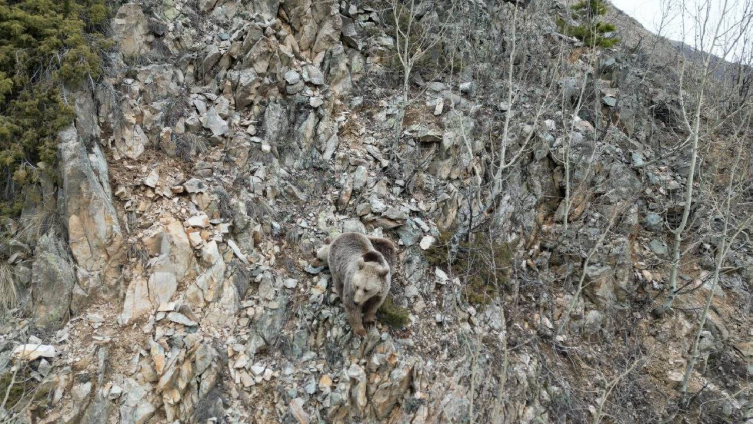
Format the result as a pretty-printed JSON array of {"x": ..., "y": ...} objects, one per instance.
[
  {"x": 384, "y": 271},
  {"x": 361, "y": 263}
]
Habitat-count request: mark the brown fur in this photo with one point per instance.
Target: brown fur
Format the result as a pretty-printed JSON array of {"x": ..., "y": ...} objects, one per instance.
[{"x": 361, "y": 268}]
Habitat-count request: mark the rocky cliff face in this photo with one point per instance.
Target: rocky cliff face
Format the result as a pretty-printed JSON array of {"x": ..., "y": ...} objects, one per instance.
[{"x": 230, "y": 139}]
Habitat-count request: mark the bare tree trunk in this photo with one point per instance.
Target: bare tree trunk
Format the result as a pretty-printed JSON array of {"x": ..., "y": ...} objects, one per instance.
[
  {"x": 695, "y": 136},
  {"x": 723, "y": 248},
  {"x": 410, "y": 47},
  {"x": 406, "y": 61},
  {"x": 401, "y": 112}
]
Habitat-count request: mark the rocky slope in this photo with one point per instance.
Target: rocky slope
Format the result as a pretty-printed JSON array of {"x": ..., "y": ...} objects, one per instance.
[{"x": 230, "y": 139}]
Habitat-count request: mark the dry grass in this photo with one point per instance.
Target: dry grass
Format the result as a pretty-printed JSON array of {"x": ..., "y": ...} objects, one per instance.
[
  {"x": 420, "y": 114},
  {"x": 350, "y": 130},
  {"x": 37, "y": 222},
  {"x": 190, "y": 144},
  {"x": 8, "y": 289}
]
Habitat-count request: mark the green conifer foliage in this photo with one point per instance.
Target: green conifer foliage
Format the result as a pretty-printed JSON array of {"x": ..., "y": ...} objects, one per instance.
[
  {"x": 591, "y": 31},
  {"x": 44, "y": 44}
]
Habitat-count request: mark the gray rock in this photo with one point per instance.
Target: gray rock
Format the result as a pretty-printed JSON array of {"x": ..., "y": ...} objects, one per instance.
[
  {"x": 350, "y": 34},
  {"x": 593, "y": 322},
  {"x": 436, "y": 86},
  {"x": 275, "y": 123},
  {"x": 425, "y": 134},
  {"x": 353, "y": 225},
  {"x": 295, "y": 88},
  {"x": 200, "y": 105},
  {"x": 206, "y": 6},
  {"x": 330, "y": 147},
  {"x": 246, "y": 88},
  {"x": 130, "y": 29},
  {"x": 134, "y": 408},
  {"x": 607, "y": 64},
  {"x": 152, "y": 179},
  {"x": 339, "y": 77},
  {"x": 313, "y": 270},
  {"x": 137, "y": 302},
  {"x": 654, "y": 221},
  {"x": 98, "y": 411},
  {"x": 175, "y": 253},
  {"x": 637, "y": 159},
  {"x": 414, "y": 265},
  {"x": 213, "y": 122},
  {"x": 94, "y": 235},
  {"x": 313, "y": 75},
  {"x": 195, "y": 185},
  {"x": 162, "y": 286},
  {"x": 411, "y": 291},
  {"x": 467, "y": 88},
  {"x": 600, "y": 280},
  {"x": 395, "y": 214},
  {"x": 266, "y": 8},
  {"x": 267, "y": 329},
  {"x": 359, "y": 178},
  {"x": 659, "y": 248},
  {"x": 52, "y": 283},
  {"x": 296, "y": 409},
  {"x": 410, "y": 233},
  {"x": 212, "y": 55},
  {"x": 315, "y": 102},
  {"x": 363, "y": 209},
  {"x": 222, "y": 106},
  {"x": 179, "y": 318},
  {"x": 292, "y": 77},
  {"x": 377, "y": 205}
]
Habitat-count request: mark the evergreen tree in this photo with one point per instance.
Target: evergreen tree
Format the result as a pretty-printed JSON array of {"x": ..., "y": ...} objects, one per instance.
[
  {"x": 44, "y": 44},
  {"x": 591, "y": 31}
]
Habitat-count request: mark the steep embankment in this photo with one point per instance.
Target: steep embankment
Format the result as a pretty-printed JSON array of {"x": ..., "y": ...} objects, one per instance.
[{"x": 230, "y": 139}]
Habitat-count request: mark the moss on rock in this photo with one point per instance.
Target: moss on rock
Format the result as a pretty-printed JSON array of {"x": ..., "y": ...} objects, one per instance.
[{"x": 393, "y": 315}]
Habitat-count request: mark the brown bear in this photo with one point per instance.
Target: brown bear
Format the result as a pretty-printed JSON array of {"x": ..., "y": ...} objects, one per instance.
[{"x": 361, "y": 267}]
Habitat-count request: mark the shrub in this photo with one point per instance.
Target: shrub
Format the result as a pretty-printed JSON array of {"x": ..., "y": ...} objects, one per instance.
[
  {"x": 483, "y": 266},
  {"x": 13, "y": 389},
  {"x": 436, "y": 59},
  {"x": 591, "y": 31},
  {"x": 44, "y": 44}
]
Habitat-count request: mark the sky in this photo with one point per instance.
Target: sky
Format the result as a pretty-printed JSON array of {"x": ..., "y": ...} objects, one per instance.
[{"x": 649, "y": 13}]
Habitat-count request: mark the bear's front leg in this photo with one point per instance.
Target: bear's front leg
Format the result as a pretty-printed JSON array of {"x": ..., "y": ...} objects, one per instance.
[
  {"x": 354, "y": 318},
  {"x": 370, "y": 309},
  {"x": 337, "y": 285}
]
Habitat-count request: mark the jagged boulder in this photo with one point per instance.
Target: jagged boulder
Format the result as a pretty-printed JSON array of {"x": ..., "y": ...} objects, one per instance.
[
  {"x": 189, "y": 374},
  {"x": 53, "y": 280},
  {"x": 208, "y": 285},
  {"x": 171, "y": 243},
  {"x": 137, "y": 302},
  {"x": 94, "y": 233},
  {"x": 131, "y": 30}
]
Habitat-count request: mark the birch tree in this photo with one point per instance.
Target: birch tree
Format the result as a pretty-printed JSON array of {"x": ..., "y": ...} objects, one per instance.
[
  {"x": 413, "y": 40},
  {"x": 720, "y": 34},
  {"x": 505, "y": 154},
  {"x": 739, "y": 180}
]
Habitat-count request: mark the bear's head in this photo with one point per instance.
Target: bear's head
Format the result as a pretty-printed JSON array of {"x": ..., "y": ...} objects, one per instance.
[{"x": 370, "y": 278}]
